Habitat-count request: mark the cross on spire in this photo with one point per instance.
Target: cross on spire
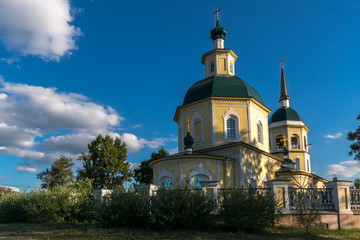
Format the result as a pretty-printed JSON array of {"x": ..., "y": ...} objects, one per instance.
[
  {"x": 282, "y": 61},
  {"x": 217, "y": 13}
]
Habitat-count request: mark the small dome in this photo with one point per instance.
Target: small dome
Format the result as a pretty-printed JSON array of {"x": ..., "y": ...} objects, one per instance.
[
  {"x": 285, "y": 113},
  {"x": 221, "y": 86}
]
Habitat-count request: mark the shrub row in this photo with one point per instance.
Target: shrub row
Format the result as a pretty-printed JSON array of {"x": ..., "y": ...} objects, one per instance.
[
  {"x": 70, "y": 204},
  {"x": 174, "y": 208}
]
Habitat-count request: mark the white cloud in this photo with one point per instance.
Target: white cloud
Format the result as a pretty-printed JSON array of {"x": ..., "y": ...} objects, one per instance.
[
  {"x": 134, "y": 143},
  {"x": 134, "y": 165},
  {"x": 42, "y": 124},
  {"x": 346, "y": 169},
  {"x": 26, "y": 168},
  {"x": 137, "y": 126},
  {"x": 38, "y": 27},
  {"x": 334, "y": 136},
  {"x": 173, "y": 151}
]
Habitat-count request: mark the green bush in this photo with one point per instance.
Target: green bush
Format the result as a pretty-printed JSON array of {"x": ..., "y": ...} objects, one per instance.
[
  {"x": 71, "y": 204},
  {"x": 124, "y": 209},
  {"x": 248, "y": 209},
  {"x": 12, "y": 208},
  {"x": 180, "y": 208}
]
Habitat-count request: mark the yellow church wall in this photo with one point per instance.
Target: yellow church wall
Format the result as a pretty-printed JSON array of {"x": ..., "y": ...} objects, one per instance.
[
  {"x": 204, "y": 110},
  {"x": 259, "y": 114},
  {"x": 170, "y": 165},
  {"x": 220, "y": 108},
  {"x": 253, "y": 164},
  {"x": 225, "y": 169}
]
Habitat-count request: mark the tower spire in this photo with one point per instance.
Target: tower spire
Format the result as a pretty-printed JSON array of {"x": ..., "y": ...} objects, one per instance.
[{"x": 284, "y": 98}]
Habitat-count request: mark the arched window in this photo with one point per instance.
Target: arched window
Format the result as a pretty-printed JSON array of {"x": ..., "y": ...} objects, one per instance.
[
  {"x": 197, "y": 129},
  {"x": 231, "y": 67},
  {"x": 305, "y": 143},
  {"x": 196, "y": 180},
  {"x": 231, "y": 129},
  {"x": 297, "y": 162},
  {"x": 260, "y": 132},
  {"x": 280, "y": 143},
  {"x": 166, "y": 182},
  {"x": 295, "y": 143},
  {"x": 231, "y": 126}
]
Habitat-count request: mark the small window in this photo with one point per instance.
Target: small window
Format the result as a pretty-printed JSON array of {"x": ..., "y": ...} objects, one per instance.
[
  {"x": 309, "y": 168},
  {"x": 280, "y": 142},
  {"x": 295, "y": 144},
  {"x": 198, "y": 130},
  {"x": 297, "y": 162},
  {"x": 231, "y": 128},
  {"x": 260, "y": 132},
  {"x": 231, "y": 67},
  {"x": 305, "y": 144},
  {"x": 224, "y": 64},
  {"x": 212, "y": 66}
]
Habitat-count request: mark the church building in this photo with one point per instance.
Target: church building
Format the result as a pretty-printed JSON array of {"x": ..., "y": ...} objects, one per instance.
[{"x": 227, "y": 136}]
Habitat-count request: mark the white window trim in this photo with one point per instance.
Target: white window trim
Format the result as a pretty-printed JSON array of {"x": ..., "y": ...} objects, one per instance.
[
  {"x": 199, "y": 170},
  {"x": 263, "y": 135},
  {"x": 197, "y": 117},
  {"x": 165, "y": 173},
  {"x": 228, "y": 114}
]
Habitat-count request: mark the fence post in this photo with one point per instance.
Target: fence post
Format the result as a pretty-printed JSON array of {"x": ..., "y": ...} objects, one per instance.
[
  {"x": 280, "y": 189},
  {"x": 341, "y": 195},
  {"x": 100, "y": 194},
  {"x": 149, "y": 189}
]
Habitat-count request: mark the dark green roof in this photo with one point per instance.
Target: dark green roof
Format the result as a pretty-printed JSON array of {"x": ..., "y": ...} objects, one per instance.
[
  {"x": 221, "y": 86},
  {"x": 285, "y": 113}
]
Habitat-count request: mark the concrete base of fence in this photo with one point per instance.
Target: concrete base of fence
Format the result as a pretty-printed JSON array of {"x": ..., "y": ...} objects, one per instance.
[{"x": 328, "y": 220}]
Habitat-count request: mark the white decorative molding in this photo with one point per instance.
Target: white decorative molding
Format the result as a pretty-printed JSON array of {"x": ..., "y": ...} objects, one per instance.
[
  {"x": 249, "y": 121},
  {"x": 199, "y": 170},
  {"x": 197, "y": 118},
  {"x": 165, "y": 173},
  {"x": 285, "y": 122},
  {"x": 231, "y": 113},
  {"x": 213, "y": 140}
]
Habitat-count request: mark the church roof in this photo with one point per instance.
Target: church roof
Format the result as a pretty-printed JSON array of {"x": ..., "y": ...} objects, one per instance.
[
  {"x": 221, "y": 86},
  {"x": 285, "y": 113}
]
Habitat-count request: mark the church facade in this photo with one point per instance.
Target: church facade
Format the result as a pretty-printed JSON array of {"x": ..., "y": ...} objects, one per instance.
[{"x": 226, "y": 135}]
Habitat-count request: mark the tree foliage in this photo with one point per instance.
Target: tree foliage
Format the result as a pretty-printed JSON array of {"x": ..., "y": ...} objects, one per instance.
[
  {"x": 144, "y": 173},
  {"x": 105, "y": 164},
  {"x": 59, "y": 175},
  {"x": 357, "y": 183},
  {"x": 354, "y": 136}
]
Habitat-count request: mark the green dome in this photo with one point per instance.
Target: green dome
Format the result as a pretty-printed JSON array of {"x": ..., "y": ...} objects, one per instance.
[
  {"x": 285, "y": 113},
  {"x": 221, "y": 86},
  {"x": 218, "y": 32}
]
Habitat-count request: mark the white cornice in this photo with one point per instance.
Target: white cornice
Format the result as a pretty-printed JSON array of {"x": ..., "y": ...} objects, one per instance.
[{"x": 286, "y": 122}]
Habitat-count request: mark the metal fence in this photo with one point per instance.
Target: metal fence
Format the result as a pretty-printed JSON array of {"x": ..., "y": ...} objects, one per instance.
[
  {"x": 355, "y": 199},
  {"x": 311, "y": 198}
]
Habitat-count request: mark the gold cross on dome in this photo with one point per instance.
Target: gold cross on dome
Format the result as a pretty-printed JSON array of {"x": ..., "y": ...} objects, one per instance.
[
  {"x": 217, "y": 13},
  {"x": 283, "y": 141}
]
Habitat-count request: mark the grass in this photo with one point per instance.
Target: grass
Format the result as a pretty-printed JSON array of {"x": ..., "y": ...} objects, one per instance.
[{"x": 88, "y": 231}]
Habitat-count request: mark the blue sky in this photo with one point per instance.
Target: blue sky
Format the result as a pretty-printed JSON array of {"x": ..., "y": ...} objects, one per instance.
[{"x": 72, "y": 70}]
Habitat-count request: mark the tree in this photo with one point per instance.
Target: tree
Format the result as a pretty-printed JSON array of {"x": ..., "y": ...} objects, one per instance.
[
  {"x": 60, "y": 174},
  {"x": 357, "y": 183},
  {"x": 144, "y": 173},
  {"x": 354, "y": 136},
  {"x": 105, "y": 164}
]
